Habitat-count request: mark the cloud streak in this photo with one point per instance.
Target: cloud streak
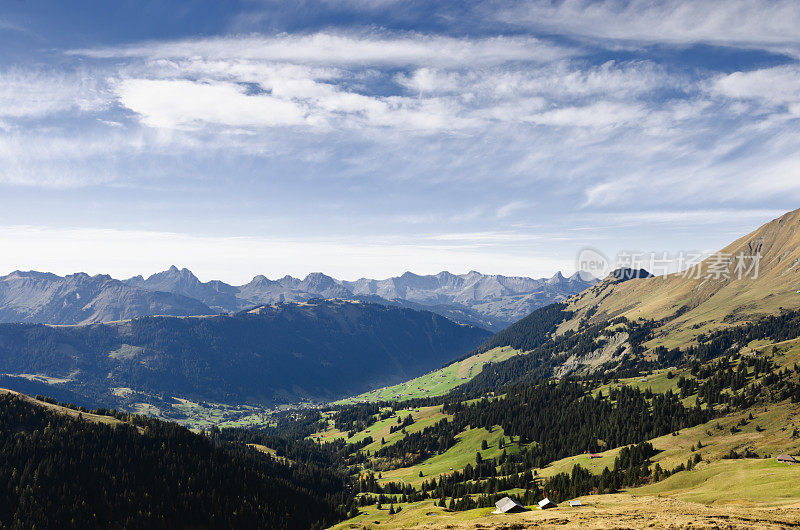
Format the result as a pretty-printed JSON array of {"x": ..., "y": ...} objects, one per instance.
[
  {"x": 746, "y": 23},
  {"x": 325, "y": 48}
]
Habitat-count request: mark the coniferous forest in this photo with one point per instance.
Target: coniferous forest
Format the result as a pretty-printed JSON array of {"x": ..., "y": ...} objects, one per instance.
[{"x": 145, "y": 473}]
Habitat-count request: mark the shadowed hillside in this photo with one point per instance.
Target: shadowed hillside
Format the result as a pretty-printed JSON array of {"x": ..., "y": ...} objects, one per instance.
[{"x": 322, "y": 349}]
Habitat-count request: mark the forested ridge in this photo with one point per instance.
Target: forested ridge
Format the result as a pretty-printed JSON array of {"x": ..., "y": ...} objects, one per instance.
[
  {"x": 324, "y": 349},
  {"x": 57, "y": 471},
  {"x": 563, "y": 418}
]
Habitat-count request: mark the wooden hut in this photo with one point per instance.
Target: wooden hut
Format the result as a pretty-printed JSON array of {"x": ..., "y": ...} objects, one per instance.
[
  {"x": 787, "y": 459},
  {"x": 509, "y": 505},
  {"x": 546, "y": 503}
]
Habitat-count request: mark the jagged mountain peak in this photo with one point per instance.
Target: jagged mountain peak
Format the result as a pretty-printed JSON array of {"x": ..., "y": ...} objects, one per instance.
[
  {"x": 80, "y": 298},
  {"x": 260, "y": 279},
  {"x": 318, "y": 276},
  {"x": 174, "y": 271},
  {"x": 35, "y": 275},
  {"x": 582, "y": 276}
]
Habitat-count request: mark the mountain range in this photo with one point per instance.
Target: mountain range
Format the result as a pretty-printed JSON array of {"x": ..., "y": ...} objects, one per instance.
[{"x": 489, "y": 301}]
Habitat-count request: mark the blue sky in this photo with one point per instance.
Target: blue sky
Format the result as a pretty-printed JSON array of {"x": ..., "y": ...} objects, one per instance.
[{"x": 370, "y": 137}]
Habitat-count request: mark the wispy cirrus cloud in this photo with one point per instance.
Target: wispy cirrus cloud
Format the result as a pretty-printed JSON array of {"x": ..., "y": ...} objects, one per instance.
[
  {"x": 325, "y": 48},
  {"x": 31, "y": 92},
  {"x": 388, "y": 130},
  {"x": 777, "y": 85},
  {"x": 747, "y": 23}
]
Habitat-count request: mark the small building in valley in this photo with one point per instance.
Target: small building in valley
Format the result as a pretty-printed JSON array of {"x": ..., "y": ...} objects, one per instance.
[
  {"x": 546, "y": 503},
  {"x": 594, "y": 455},
  {"x": 509, "y": 505},
  {"x": 575, "y": 502},
  {"x": 787, "y": 459}
]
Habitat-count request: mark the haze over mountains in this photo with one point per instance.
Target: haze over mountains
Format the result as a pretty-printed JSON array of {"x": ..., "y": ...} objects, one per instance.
[{"x": 488, "y": 301}]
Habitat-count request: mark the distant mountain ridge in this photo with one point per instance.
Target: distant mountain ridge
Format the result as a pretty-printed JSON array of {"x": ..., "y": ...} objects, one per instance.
[
  {"x": 279, "y": 353},
  {"x": 488, "y": 301}
]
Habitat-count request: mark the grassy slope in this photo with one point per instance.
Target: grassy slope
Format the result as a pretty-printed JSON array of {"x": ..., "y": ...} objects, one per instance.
[
  {"x": 455, "y": 458},
  {"x": 759, "y": 481},
  {"x": 436, "y": 383},
  {"x": 710, "y": 300},
  {"x": 777, "y": 420},
  {"x": 413, "y": 514},
  {"x": 198, "y": 417},
  {"x": 423, "y": 417},
  {"x": 656, "y": 381}
]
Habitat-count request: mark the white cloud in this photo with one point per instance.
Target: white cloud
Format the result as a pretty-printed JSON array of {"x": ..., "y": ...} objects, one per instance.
[
  {"x": 183, "y": 103},
  {"x": 561, "y": 79},
  {"x": 750, "y": 23},
  {"x": 510, "y": 110},
  {"x": 51, "y": 159},
  {"x": 346, "y": 49},
  {"x": 779, "y": 85}
]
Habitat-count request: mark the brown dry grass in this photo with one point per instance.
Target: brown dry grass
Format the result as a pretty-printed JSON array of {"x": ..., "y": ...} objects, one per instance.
[{"x": 616, "y": 511}]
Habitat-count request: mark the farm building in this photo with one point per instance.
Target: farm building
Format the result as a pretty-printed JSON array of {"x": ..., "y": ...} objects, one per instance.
[
  {"x": 788, "y": 459},
  {"x": 546, "y": 503},
  {"x": 594, "y": 455},
  {"x": 575, "y": 502},
  {"x": 509, "y": 505}
]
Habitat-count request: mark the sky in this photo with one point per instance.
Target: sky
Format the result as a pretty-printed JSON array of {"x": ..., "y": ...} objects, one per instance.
[{"x": 365, "y": 138}]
